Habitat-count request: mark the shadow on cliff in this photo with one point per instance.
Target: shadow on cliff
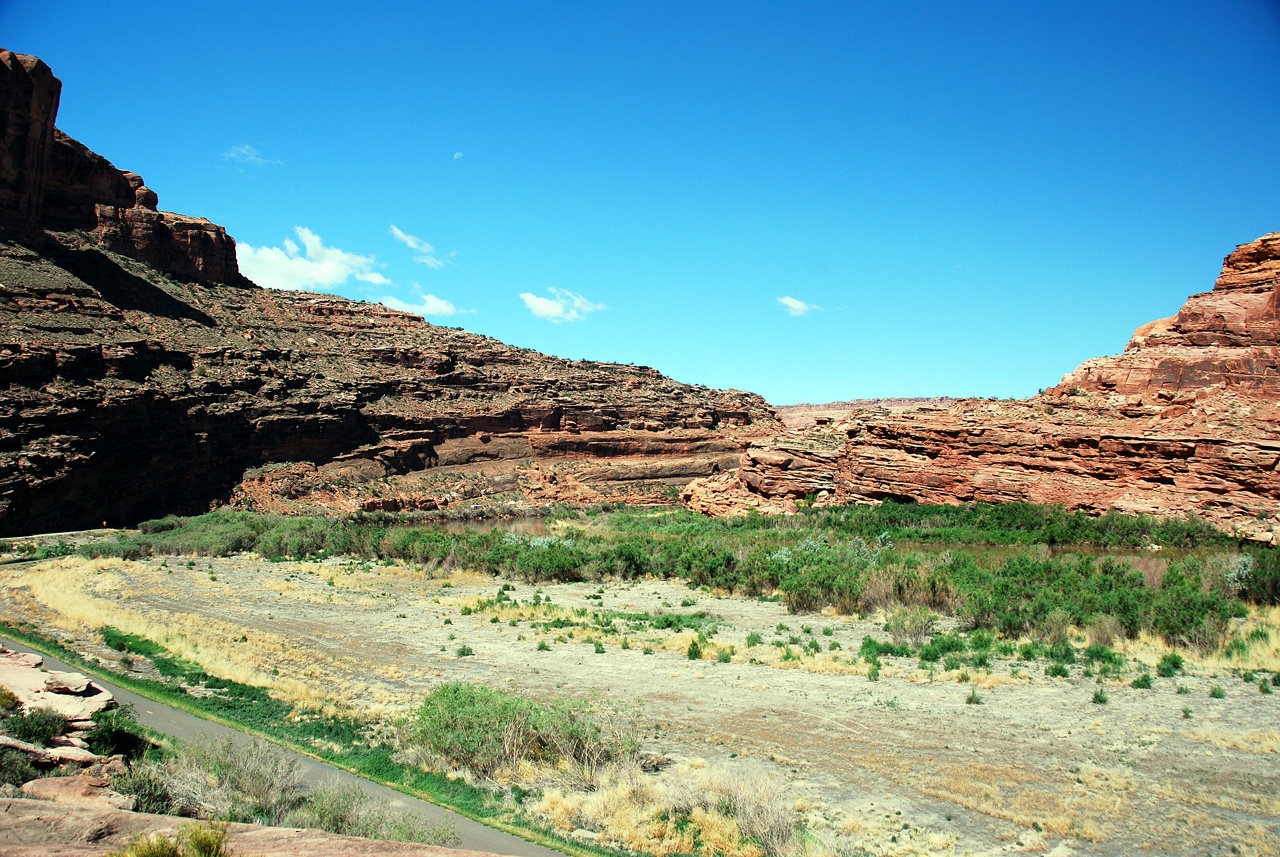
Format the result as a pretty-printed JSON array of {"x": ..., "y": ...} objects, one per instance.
[{"x": 125, "y": 290}]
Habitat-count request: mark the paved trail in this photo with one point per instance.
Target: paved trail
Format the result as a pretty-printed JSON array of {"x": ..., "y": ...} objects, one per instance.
[{"x": 472, "y": 835}]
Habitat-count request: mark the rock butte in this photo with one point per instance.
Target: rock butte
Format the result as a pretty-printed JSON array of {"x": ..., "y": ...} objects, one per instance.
[
  {"x": 1184, "y": 421},
  {"x": 142, "y": 374}
]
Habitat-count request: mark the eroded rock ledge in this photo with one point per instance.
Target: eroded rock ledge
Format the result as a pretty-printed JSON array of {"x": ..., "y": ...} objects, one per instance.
[{"x": 1185, "y": 420}]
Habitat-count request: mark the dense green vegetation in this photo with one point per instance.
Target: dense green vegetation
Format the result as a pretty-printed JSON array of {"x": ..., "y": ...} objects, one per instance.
[{"x": 840, "y": 557}]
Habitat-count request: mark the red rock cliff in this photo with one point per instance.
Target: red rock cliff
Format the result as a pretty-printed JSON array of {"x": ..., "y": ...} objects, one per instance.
[
  {"x": 1186, "y": 420},
  {"x": 48, "y": 181}
]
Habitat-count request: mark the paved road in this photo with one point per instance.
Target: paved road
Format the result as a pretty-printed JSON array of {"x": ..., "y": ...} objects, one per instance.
[{"x": 472, "y": 835}]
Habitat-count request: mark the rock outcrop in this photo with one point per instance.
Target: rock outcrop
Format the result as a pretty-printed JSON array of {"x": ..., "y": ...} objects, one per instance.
[
  {"x": 142, "y": 375},
  {"x": 1184, "y": 421},
  {"x": 93, "y": 828},
  {"x": 48, "y": 181}
]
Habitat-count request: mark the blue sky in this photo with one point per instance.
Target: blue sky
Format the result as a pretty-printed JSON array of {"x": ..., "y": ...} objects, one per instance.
[{"x": 955, "y": 199}]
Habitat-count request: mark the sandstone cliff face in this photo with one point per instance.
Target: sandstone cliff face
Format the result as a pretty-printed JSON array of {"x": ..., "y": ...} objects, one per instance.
[
  {"x": 29, "y": 96},
  {"x": 1185, "y": 420},
  {"x": 140, "y": 374},
  {"x": 48, "y": 181},
  {"x": 130, "y": 394}
]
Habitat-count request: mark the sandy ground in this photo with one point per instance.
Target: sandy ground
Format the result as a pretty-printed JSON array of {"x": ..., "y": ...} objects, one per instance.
[{"x": 900, "y": 765}]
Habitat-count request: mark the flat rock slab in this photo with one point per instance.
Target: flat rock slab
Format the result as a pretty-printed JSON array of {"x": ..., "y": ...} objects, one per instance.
[
  {"x": 70, "y": 694},
  {"x": 37, "y": 827},
  {"x": 82, "y": 791}
]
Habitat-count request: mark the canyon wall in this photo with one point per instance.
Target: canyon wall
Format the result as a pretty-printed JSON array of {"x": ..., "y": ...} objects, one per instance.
[
  {"x": 1183, "y": 421},
  {"x": 141, "y": 374}
]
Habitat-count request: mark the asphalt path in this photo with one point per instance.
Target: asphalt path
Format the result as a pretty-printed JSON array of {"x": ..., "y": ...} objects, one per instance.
[{"x": 472, "y": 835}]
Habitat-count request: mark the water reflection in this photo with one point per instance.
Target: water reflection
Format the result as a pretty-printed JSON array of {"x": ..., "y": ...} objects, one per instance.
[{"x": 519, "y": 526}]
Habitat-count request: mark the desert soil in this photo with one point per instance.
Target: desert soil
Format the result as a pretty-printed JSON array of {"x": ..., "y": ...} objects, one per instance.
[{"x": 900, "y": 765}]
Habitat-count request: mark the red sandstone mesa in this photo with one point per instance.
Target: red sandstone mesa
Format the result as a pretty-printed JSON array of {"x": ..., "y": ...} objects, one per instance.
[
  {"x": 1185, "y": 420},
  {"x": 141, "y": 374}
]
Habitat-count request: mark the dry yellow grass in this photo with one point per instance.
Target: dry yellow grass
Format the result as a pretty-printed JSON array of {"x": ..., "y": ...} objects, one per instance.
[
  {"x": 1253, "y": 741},
  {"x": 81, "y": 595}
]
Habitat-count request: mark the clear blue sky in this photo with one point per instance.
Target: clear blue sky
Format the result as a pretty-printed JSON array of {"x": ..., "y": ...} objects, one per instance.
[{"x": 962, "y": 199}]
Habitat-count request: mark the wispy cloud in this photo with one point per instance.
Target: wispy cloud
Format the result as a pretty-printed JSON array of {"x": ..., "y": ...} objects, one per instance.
[
  {"x": 311, "y": 266},
  {"x": 247, "y": 154},
  {"x": 426, "y": 253},
  {"x": 795, "y": 306},
  {"x": 427, "y": 305},
  {"x": 563, "y": 305}
]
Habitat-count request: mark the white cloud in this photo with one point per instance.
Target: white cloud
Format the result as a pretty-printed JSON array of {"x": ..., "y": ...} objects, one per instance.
[
  {"x": 795, "y": 306},
  {"x": 563, "y": 305},
  {"x": 246, "y": 154},
  {"x": 457, "y": 155},
  {"x": 311, "y": 266},
  {"x": 413, "y": 242},
  {"x": 427, "y": 305}
]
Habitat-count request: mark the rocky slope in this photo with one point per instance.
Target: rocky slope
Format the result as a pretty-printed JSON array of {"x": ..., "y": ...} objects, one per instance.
[
  {"x": 1184, "y": 421},
  {"x": 142, "y": 374}
]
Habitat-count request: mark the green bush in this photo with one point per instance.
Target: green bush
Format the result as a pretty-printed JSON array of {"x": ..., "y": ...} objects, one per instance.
[
  {"x": 485, "y": 730},
  {"x": 348, "y": 810},
  {"x": 15, "y": 768},
  {"x": 1142, "y": 682},
  {"x": 1217, "y": 692},
  {"x": 149, "y": 788},
  {"x": 1170, "y": 665},
  {"x": 37, "y": 726},
  {"x": 1057, "y": 670}
]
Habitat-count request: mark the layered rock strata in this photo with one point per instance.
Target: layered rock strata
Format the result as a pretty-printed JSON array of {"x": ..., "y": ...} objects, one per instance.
[
  {"x": 1184, "y": 421},
  {"x": 140, "y": 374}
]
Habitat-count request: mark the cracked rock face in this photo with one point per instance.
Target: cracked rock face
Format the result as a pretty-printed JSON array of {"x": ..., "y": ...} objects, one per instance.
[{"x": 1185, "y": 420}]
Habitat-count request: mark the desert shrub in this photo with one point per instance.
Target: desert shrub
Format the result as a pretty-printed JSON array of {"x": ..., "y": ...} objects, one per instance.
[
  {"x": 1057, "y": 670},
  {"x": 1100, "y": 654},
  {"x": 1170, "y": 665},
  {"x": 1053, "y": 628},
  {"x": 148, "y": 845},
  {"x": 552, "y": 559},
  {"x": 911, "y": 623},
  {"x": 348, "y": 810},
  {"x": 872, "y": 648},
  {"x": 116, "y": 732},
  {"x": 37, "y": 726},
  {"x": 15, "y": 768},
  {"x": 1063, "y": 652},
  {"x": 161, "y": 525},
  {"x": 694, "y": 652},
  {"x": 1217, "y": 692},
  {"x": 1142, "y": 682},
  {"x": 1100, "y": 697},
  {"x": 254, "y": 782},
  {"x": 1261, "y": 583},
  {"x": 193, "y": 840},
  {"x": 1184, "y": 612},
  {"x": 148, "y": 786},
  {"x": 8, "y": 700},
  {"x": 487, "y": 730},
  {"x": 756, "y": 800},
  {"x": 941, "y": 646},
  {"x": 1104, "y": 630}
]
